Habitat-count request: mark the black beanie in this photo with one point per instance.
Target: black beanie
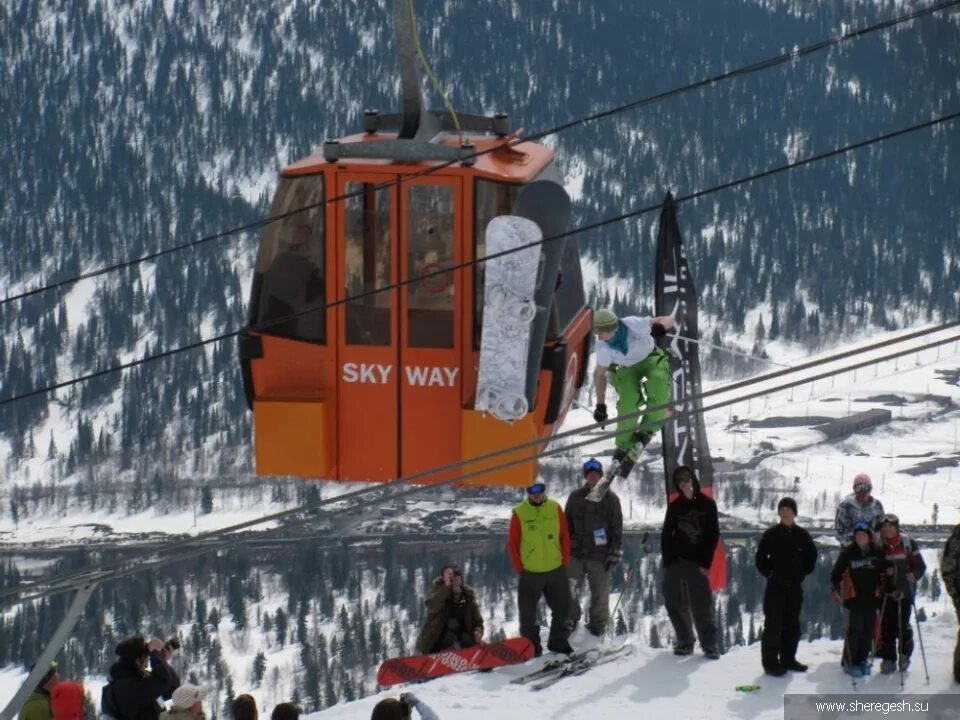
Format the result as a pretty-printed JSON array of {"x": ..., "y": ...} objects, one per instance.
[{"x": 787, "y": 502}]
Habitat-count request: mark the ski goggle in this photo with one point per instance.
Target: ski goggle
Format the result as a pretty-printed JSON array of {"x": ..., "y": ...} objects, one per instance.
[
  {"x": 592, "y": 466},
  {"x": 862, "y": 527},
  {"x": 536, "y": 488},
  {"x": 862, "y": 487},
  {"x": 889, "y": 518}
]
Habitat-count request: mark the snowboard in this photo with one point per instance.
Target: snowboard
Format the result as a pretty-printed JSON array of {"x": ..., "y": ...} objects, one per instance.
[
  {"x": 446, "y": 662},
  {"x": 508, "y": 313}
]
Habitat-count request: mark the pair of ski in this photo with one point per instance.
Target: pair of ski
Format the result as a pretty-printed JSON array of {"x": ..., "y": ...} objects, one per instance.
[
  {"x": 577, "y": 664},
  {"x": 613, "y": 471}
]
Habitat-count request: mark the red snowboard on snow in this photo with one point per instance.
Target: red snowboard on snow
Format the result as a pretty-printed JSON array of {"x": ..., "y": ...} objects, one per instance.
[{"x": 447, "y": 662}]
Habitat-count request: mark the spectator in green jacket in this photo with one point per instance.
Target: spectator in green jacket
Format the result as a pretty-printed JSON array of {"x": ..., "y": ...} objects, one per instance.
[
  {"x": 37, "y": 706},
  {"x": 539, "y": 547}
]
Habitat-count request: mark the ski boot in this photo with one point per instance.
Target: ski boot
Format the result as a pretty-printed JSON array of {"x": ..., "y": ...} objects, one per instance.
[{"x": 613, "y": 469}]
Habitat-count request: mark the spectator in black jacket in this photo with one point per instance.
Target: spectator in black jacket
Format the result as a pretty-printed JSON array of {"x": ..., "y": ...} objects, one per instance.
[
  {"x": 950, "y": 572},
  {"x": 856, "y": 581},
  {"x": 691, "y": 531},
  {"x": 596, "y": 546},
  {"x": 785, "y": 556},
  {"x": 132, "y": 692}
]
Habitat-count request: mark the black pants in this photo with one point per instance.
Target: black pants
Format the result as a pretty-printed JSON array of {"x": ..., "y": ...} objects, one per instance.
[
  {"x": 555, "y": 590},
  {"x": 956, "y": 655},
  {"x": 889, "y": 635},
  {"x": 686, "y": 592},
  {"x": 860, "y": 620},
  {"x": 781, "y": 624}
]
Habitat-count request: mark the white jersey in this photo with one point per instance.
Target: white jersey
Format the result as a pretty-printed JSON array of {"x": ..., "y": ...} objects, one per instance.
[{"x": 639, "y": 344}]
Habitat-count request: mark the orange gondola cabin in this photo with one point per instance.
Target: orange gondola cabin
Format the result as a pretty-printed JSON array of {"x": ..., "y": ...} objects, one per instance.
[{"x": 355, "y": 367}]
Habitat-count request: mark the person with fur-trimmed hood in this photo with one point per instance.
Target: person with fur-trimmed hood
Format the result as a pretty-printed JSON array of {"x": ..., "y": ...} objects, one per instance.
[
  {"x": 905, "y": 566},
  {"x": 133, "y": 689},
  {"x": 453, "y": 615},
  {"x": 860, "y": 506},
  {"x": 785, "y": 556},
  {"x": 856, "y": 582},
  {"x": 186, "y": 703},
  {"x": 950, "y": 574},
  {"x": 691, "y": 531}
]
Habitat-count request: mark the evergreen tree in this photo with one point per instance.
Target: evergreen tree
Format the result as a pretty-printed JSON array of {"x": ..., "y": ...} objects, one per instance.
[
  {"x": 259, "y": 668},
  {"x": 206, "y": 500}
]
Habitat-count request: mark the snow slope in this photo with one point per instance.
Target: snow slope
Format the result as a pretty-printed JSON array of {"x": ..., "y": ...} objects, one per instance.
[
  {"x": 654, "y": 685},
  {"x": 650, "y": 683}
]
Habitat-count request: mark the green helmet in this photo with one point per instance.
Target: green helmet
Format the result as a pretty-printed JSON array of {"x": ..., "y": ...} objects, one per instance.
[{"x": 605, "y": 320}]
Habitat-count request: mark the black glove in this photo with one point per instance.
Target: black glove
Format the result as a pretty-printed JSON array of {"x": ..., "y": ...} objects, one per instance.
[
  {"x": 613, "y": 559},
  {"x": 658, "y": 330},
  {"x": 409, "y": 699},
  {"x": 600, "y": 414}
]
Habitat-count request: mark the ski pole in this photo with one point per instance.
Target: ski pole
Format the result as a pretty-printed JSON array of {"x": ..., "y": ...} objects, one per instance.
[
  {"x": 900, "y": 637},
  {"x": 846, "y": 655},
  {"x": 644, "y": 548},
  {"x": 878, "y": 627},
  {"x": 923, "y": 655}
]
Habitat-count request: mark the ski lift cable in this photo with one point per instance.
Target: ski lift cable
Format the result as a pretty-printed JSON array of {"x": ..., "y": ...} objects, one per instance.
[
  {"x": 70, "y": 581},
  {"x": 609, "y": 112},
  {"x": 407, "y": 492},
  {"x": 259, "y": 327}
]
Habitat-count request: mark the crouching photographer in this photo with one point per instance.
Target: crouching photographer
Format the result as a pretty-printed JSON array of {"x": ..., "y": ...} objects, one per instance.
[{"x": 402, "y": 709}]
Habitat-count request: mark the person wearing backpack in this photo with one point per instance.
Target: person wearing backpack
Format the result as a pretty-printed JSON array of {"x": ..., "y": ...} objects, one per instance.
[
  {"x": 904, "y": 570},
  {"x": 138, "y": 677}
]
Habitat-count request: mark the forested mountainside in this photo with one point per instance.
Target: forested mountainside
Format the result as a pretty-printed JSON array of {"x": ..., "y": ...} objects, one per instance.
[{"x": 133, "y": 128}]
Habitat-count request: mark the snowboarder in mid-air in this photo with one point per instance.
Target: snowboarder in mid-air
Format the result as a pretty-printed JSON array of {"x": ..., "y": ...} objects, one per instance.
[{"x": 640, "y": 374}]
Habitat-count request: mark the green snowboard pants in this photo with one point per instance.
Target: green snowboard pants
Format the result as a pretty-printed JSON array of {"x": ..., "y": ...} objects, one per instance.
[{"x": 632, "y": 396}]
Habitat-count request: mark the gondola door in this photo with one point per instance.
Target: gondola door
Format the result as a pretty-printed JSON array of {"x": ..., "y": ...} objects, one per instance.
[
  {"x": 431, "y": 227},
  {"x": 368, "y": 432}
]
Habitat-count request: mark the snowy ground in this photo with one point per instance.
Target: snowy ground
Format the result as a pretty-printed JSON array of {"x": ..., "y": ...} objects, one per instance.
[
  {"x": 650, "y": 683},
  {"x": 655, "y": 684}
]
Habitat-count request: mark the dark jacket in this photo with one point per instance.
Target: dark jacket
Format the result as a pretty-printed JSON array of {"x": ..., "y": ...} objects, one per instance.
[
  {"x": 585, "y": 518},
  {"x": 950, "y": 566},
  {"x": 442, "y": 606},
  {"x": 903, "y": 556},
  {"x": 857, "y": 575},
  {"x": 691, "y": 529},
  {"x": 786, "y": 555},
  {"x": 132, "y": 694}
]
